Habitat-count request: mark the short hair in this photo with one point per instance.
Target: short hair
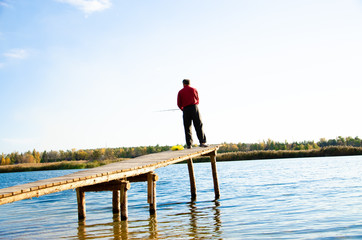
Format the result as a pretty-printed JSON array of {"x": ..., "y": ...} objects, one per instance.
[{"x": 186, "y": 81}]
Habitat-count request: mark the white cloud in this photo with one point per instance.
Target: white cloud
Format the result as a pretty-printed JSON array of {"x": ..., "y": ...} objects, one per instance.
[
  {"x": 17, "y": 53},
  {"x": 4, "y": 4},
  {"x": 89, "y": 6}
]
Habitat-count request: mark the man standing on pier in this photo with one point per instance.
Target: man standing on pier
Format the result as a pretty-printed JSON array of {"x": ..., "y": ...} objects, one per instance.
[{"x": 187, "y": 101}]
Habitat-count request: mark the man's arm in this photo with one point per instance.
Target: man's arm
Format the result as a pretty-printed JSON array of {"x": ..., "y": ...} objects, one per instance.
[
  {"x": 196, "y": 96},
  {"x": 179, "y": 101}
]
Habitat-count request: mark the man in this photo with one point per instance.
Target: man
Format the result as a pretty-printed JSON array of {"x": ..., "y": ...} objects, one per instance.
[{"x": 187, "y": 101}]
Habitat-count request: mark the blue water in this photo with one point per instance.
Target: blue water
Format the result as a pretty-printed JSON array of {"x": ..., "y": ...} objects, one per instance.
[{"x": 310, "y": 198}]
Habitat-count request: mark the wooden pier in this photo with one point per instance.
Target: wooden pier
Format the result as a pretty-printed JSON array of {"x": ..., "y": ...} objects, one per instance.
[{"x": 116, "y": 177}]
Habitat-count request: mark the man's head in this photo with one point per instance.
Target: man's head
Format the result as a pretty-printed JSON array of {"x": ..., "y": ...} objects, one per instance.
[{"x": 186, "y": 82}]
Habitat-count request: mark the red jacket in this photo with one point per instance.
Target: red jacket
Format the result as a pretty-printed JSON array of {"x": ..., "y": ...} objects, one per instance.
[{"x": 187, "y": 96}]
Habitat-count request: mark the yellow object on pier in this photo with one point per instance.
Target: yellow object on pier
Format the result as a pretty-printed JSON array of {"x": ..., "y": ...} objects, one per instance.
[{"x": 177, "y": 147}]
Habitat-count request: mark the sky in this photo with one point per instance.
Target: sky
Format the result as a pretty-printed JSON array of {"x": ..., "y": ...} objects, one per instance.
[{"x": 84, "y": 74}]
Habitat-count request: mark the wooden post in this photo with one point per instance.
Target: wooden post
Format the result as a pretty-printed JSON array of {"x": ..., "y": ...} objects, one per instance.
[
  {"x": 151, "y": 191},
  {"x": 192, "y": 179},
  {"x": 81, "y": 203},
  {"x": 116, "y": 201},
  {"x": 214, "y": 175},
  {"x": 125, "y": 185}
]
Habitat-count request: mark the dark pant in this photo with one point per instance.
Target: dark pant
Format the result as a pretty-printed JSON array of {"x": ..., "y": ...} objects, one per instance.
[{"x": 192, "y": 114}]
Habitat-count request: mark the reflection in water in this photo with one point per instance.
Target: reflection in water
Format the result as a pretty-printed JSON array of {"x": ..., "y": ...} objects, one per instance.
[
  {"x": 120, "y": 228},
  {"x": 193, "y": 218},
  {"x": 81, "y": 229},
  {"x": 204, "y": 222},
  {"x": 124, "y": 230},
  {"x": 262, "y": 201},
  {"x": 200, "y": 230},
  {"x": 117, "y": 227},
  {"x": 153, "y": 229},
  {"x": 217, "y": 219}
]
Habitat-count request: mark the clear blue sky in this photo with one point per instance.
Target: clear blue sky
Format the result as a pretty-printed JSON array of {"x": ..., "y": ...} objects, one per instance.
[{"x": 90, "y": 74}]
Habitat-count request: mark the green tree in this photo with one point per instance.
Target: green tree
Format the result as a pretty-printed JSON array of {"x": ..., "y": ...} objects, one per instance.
[
  {"x": 150, "y": 149},
  {"x": 109, "y": 154},
  {"x": 242, "y": 146},
  {"x": 53, "y": 156},
  {"x": 96, "y": 154},
  {"x": 341, "y": 141},
  {"x": 322, "y": 142},
  {"x": 44, "y": 157},
  {"x": 15, "y": 157}
]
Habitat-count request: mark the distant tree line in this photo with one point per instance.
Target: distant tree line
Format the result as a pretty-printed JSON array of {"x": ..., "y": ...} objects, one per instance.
[
  {"x": 76, "y": 155},
  {"x": 131, "y": 152},
  {"x": 305, "y": 145},
  {"x": 277, "y": 154}
]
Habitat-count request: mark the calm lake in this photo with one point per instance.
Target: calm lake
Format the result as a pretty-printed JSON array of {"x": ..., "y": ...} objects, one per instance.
[{"x": 305, "y": 198}]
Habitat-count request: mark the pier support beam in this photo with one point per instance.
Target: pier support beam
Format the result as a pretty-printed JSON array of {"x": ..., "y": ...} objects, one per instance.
[
  {"x": 81, "y": 203},
  {"x": 119, "y": 189},
  {"x": 119, "y": 201},
  {"x": 116, "y": 201},
  {"x": 151, "y": 191},
  {"x": 214, "y": 174},
  {"x": 125, "y": 185},
  {"x": 192, "y": 179}
]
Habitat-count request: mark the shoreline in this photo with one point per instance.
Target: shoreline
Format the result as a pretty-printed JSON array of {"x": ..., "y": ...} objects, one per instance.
[
  {"x": 335, "y": 151},
  {"x": 63, "y": 165},
  {"x": 228, "y": 156}
]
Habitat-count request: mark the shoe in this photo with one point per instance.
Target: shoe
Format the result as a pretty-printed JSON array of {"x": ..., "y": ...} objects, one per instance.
[
  {"x": 189, "y": 147},
  {"x": 203, "y": 145}
]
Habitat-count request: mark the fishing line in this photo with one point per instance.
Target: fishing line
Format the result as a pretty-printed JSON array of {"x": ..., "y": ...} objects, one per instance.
[{"x": 168, "y": 110}]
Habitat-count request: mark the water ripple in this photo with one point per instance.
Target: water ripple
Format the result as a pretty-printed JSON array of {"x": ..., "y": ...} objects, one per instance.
[{"x": 315, "y": 198}]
